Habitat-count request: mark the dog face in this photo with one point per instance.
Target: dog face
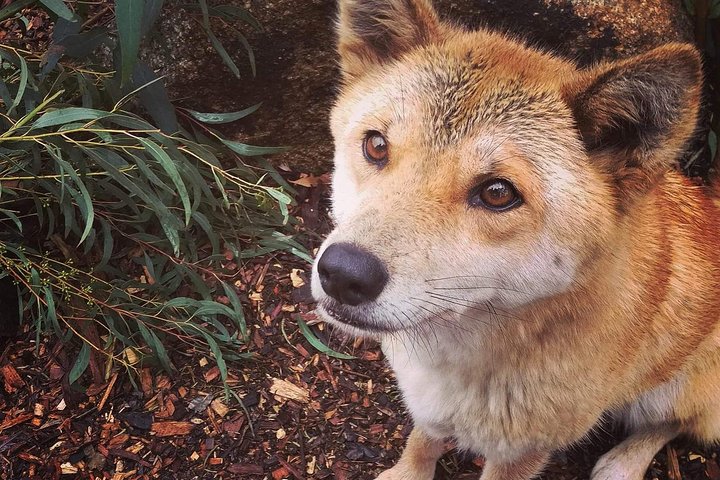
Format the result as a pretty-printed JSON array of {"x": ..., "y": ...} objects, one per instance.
[{"x": 474, "y": 175}]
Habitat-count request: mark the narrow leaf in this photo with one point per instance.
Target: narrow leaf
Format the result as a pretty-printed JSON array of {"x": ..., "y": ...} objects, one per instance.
[
  {"x": 315, "y": 342},
  {"x": 169, "y": 166},
  {"x": 81, "y": 364},
  {"x": 129, "y": 14},
  {"x": 251, "y": 150},
  {"x": 68, "y": 115},
  {"x": 60, "y": 9},
  {"x": 216, "y": 118}
]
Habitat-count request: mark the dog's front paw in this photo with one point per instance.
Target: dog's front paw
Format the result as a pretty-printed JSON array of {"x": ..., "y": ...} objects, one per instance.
[{"x": 400, "y": 472}]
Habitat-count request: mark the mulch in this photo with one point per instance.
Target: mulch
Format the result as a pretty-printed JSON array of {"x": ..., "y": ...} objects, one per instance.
[{"x": 298, "y": 414}]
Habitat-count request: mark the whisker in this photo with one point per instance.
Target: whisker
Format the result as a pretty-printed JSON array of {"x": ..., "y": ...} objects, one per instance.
[
  {"x": 475, "y": 319},
  {"x": 502, "y": 289},
  {"x": 459, "y": 276},
  {"x": 489, "y": 308}
]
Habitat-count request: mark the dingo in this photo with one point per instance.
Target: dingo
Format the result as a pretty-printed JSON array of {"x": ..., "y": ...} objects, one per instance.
[{"x": 512, "y": 229}]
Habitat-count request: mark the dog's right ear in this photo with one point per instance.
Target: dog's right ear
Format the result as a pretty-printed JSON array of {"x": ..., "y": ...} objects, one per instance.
[{"x": 372, "y": 32}]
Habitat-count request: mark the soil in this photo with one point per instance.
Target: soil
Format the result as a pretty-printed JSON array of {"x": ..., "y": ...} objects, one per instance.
[
  {"x": 297, "y": 74},
  {"x": 301, "y": 414}
]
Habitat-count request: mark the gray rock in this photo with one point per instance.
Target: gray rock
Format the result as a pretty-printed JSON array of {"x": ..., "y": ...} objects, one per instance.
[{"x": 296, "y": 64}]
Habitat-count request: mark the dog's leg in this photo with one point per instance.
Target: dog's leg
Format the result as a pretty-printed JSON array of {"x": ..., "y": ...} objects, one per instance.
[
  {"x": 525, "y": 468},
  {"x": 630, "y": 459},
  {"x": 418, "y": 460}
]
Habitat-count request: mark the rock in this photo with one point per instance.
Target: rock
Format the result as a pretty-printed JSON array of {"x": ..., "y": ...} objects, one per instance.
[{"x": 297, "y": 74}]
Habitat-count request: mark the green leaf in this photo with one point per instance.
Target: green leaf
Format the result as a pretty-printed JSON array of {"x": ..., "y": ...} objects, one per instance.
[
  {"x": 12, "y": 216},
  {"x": 60, "y": 9},
  {"x": 108, "y": 244},
  {"x": 86, "y": 204},
  {"x": 21, "y": 86},
  {"x": 219, "y": 359},
  {"x": 315, "y": 342},
  {"x": 224, "y": 55},
  {"x": 713, "y": 144},
  {"x": 232, "y": 11},
  {"x": 81, "y": 364},
  {"x": 154, "y": 98},
  {"x": 251, "y": 150},
  {"x": 154, "y": 342},
  {"x": 237, "y": 306},
  {"x": 129, "y": 15},
  {"x": 169, "y": 166},
  {"x": 153, "y": 8},
  {"x": 13, "y": 8},
  {"x": 216, "y": 118},
  {"x": 68, "y": 115}
]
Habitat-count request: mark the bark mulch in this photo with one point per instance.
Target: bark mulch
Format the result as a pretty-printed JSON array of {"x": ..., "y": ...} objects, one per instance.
[{"x": 298, "y": 414}]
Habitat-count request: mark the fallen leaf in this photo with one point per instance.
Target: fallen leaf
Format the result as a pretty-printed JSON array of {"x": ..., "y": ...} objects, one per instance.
[
  {"x": 297, "y": 280},
  {"x": 200, "y": 404}
]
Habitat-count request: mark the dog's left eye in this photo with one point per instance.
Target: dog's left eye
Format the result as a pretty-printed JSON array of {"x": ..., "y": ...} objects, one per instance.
[
  {"x": 375, "y": 148},
  {"x": 496, "y": 194}
]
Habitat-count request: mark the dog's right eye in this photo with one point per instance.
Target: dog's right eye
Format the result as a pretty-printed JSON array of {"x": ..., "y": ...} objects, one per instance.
[
  {"x": 375, "y": 148},
  {"x": 497, "y": 195}
]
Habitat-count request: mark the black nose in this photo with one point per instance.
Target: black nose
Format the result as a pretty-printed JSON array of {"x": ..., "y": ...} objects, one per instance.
[{"x": 350, "y": 274}]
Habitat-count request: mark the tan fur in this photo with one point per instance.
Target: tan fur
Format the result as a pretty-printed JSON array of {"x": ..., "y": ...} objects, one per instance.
[{"x": 515, "y": 332}]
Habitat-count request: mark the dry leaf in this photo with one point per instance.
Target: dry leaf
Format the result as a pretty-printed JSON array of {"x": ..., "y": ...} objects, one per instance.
[{"x": 297, "y": 280}]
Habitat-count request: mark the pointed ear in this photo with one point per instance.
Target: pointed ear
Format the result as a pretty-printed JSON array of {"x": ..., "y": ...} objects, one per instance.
[
  {"x": 372, "y": 32},
  {"x": 640, "y": 111}
]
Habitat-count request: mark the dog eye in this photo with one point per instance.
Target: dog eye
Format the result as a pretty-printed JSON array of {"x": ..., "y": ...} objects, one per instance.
[
  {"x": 496, "y": 194},
  {"x": 375, "y": 148}
]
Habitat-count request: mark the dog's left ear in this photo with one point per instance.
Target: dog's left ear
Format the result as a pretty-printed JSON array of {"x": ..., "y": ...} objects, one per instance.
[
  {"x": 641, "y": 111},
  {"x": 372, "y": 32}
]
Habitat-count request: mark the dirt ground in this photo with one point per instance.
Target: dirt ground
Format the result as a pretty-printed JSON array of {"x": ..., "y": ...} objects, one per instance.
[{"x": 302, "y": 415}]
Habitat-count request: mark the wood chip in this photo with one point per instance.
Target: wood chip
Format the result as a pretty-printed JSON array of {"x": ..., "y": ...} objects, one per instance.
[
  {"x": 170, "y": 429},
  {"x": 11, "y": 422},
  {"x": 289, "y": 391},
  {"x": 219, "y": 407},
  {"x": 68, "y": 469},
  {"x": 12, "y": 380},
  {"x": 712, "y": 469},
  {"x": 212, "y": 374}
]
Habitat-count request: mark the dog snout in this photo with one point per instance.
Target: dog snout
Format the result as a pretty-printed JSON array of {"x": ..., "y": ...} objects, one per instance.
[{"x": 350, "y": 274}]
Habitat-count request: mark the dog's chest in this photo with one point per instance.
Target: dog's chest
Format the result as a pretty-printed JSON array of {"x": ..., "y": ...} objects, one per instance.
[{"x": 488, "y": 407}]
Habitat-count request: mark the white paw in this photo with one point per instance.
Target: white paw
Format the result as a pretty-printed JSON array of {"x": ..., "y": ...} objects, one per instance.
[
  {"x": 399, "y": 472},
  {"x": 610, "y": 468}
]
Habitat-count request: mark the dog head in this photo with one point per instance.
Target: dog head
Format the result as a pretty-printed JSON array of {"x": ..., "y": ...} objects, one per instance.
[{"x": 475, "y": 175}]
